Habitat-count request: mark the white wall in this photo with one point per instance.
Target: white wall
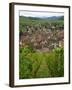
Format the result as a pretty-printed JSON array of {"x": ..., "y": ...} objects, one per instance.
[{"x": 4, "y": 44}]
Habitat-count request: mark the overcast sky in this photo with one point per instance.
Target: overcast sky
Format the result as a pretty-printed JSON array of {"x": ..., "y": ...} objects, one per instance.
[{"x": 40, "y": 14}]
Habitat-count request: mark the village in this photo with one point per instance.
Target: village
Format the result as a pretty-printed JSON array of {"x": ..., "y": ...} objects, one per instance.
[{"x": 42, "y": 38}]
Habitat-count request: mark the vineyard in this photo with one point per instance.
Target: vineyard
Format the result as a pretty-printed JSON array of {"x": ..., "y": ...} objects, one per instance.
[{"x": 41, "y": 43}]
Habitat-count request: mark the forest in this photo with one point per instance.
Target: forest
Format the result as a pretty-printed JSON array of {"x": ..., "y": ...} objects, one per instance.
[{"x": 41, "y": 47}]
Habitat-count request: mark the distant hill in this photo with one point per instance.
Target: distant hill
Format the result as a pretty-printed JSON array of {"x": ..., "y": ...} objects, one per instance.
[
  {"x": 47, "y": 18},
  {"x": 56, "y": 18}
]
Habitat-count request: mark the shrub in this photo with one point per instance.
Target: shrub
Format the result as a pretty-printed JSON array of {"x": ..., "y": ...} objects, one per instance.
[{"x": 55, "y": 62}]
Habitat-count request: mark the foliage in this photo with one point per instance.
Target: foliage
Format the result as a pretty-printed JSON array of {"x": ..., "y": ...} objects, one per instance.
[
  {"x": 55, "y": 62},
  {"x": 41, "y": 65}
]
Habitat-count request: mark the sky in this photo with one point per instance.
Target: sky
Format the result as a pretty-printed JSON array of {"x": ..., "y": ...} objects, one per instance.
[{"x": 40, "y": 14}]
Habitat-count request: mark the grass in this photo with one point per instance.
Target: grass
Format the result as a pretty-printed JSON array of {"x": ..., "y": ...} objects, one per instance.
[{"x": 41, "y": 65}]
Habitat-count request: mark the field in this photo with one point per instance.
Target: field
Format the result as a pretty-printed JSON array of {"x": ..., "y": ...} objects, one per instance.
[{"x": 41, "y": 47}]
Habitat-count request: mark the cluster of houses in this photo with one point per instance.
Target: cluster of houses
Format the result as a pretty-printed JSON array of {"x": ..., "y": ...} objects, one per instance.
[{"x": 43, "y": 39}]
